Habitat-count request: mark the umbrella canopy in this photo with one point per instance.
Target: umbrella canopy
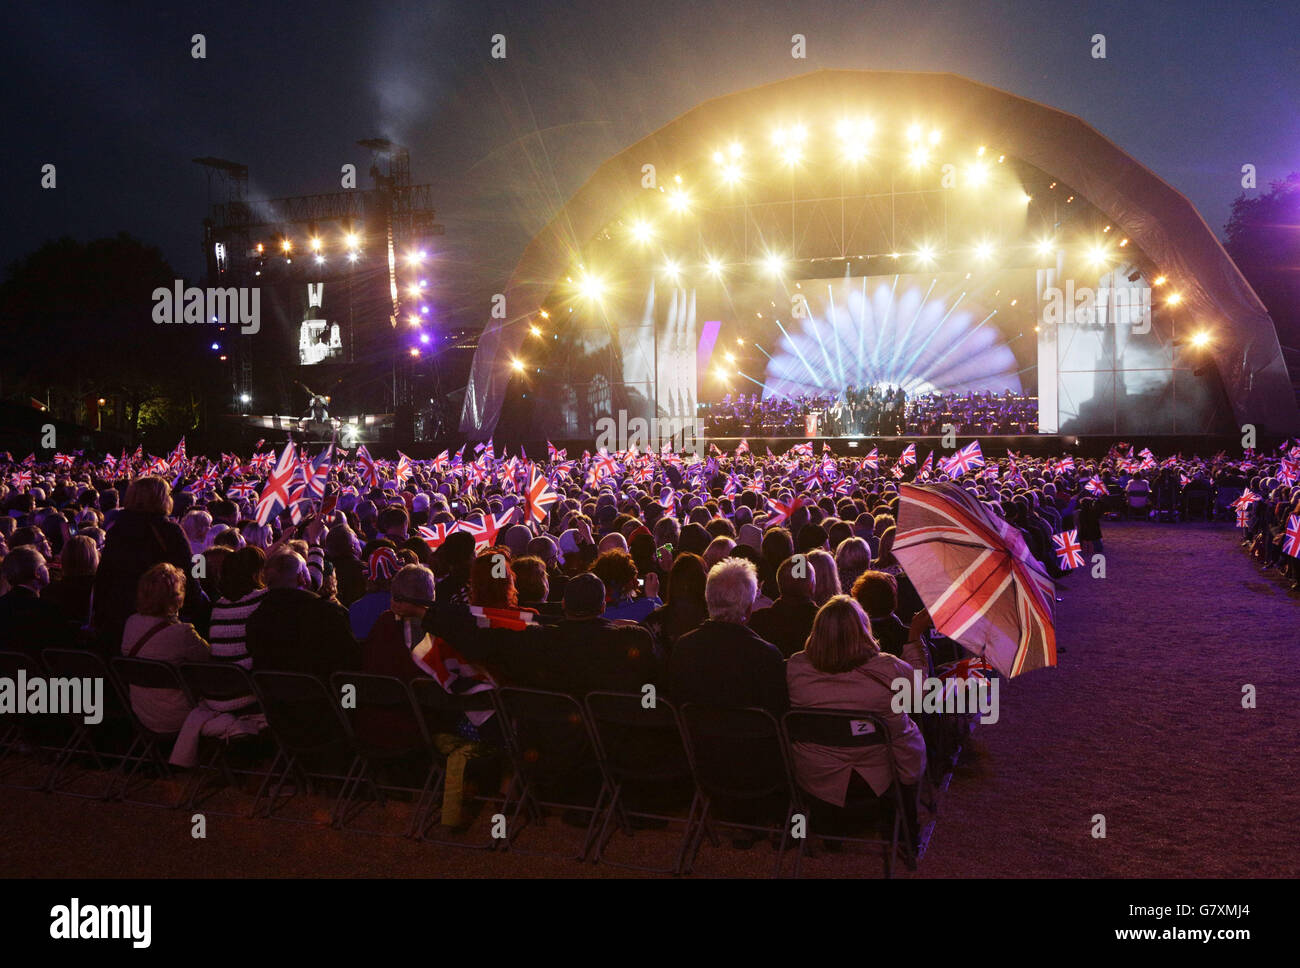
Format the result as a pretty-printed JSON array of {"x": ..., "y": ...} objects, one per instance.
[{"x": 976, "y": 576}]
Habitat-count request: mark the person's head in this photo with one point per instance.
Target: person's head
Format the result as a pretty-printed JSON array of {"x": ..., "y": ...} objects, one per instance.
[
  {"x": 379, "y": 564},
  {"x": 195, "y": 524},
  {"x": 260, "y": 535},
  {"x": 491, "y": 581},
  {"x": 812, "y": 537},
  {"x": 584, "y": 596},
  {"x": 828, "y": 576},
  {"x": 148, "y": 495},
  {"x": 531, "y": 581},
  {"x": 616, "y": 571},
  {"x": 286, "y": 570},
  {"x": 80, "y": 556},
  {"x": 730, "y": 590},
  {"x": 612, "y": 542},
  {"x": 841, "y": 638},
  {"x": 393, "y": 522},
  {"x": 160, "y": 591},
  {"x": 412, "y": 591},
  {"x": 342, "y": 542},
  {"x": 876, "y": 592},
  {"x": 777, "y": 546},
  {"x": 33, "y": 537},
  {"x": 852, "y": 558},
  {"x": 25, "y": 566},
  {"x": 796, "y": 578},
  {"x": 686, "y": 580},
  {"x": 544, "y": 547},
  {"x": 886, "y": 554},
  {"x": 718, "y": 549}
]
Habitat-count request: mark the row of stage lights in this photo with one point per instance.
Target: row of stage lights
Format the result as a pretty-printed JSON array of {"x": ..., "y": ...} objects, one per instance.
[{"x": 351, "y": 245}]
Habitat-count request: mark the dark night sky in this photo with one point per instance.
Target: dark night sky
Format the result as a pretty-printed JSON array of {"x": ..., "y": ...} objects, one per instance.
[{"x": 109, "y": 93}]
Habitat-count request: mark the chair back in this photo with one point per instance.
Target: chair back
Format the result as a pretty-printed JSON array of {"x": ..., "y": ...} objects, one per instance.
[
  {"x": 736, "y": 752},
  {"x": 380, "y": 714},
  {"x": 548, "y": 732},
  {"x": 635, "y": 742},
  {"x": 300, "y": 711}
]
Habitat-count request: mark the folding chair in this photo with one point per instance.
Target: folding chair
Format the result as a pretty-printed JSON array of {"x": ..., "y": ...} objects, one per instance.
[
  {"x": 386, "y": 730},
  {"x": 842, "y": 729},
  {"x": 738, "y": 754},
  {"x": 638, "y": 746},
  {"x": 440, "y": 710},
  {"x": 20, "y": 733},
  {"x": 100, "y": 742},
  {"x": 1196, "y": 503},
  {"x": 218, "y": 682},
  {"x": 146, "y": 674},
  {"x": 550, "y": 744},
  {"x": 310, "y": 735}
]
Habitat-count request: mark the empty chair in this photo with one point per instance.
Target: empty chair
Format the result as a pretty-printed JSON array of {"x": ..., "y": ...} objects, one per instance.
[{"x": 102, "y": 743}]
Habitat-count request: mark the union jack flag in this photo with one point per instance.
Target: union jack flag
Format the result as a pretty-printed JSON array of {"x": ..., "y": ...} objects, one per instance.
[
  {"x": 871, "y": 460},
  {"x": 261, "y": 463},
  {"x": 782, "y": 510},
  {"x": 435, "y": 535},
  {"x": 926, "y": 464},
  {"x": 742, "y": 447},
  {"x": 1096, "y": 486},
  {"x": 1068, "y": 550},
  {"x": 22, "y": 480},
  {"x": 606, "y": 464},
  {"x": 369, "y": 471},
  {"x": 63, "y": 460},
  {"x": 1291, "y": 542},
  {"x": 275, "y": 495},
  {"x": 732, "y": 487},
  {"x": 486, "y": 527},
  {"x": 242, "y": 489},
  {"x": 1247, "y": 498},
  {"x": 554, "y": 453},
  {"x": 440, "y": 462},
  {"x": 158, "y": 466},
  {"x": 800, "y": 450},
  {"x": 404, "y": 468},
  {"x": 1064, "y": 464},
  {"x": 966, "y": 459},
  {"x": 908, "y": 457},
  {"x": 316, "y": 473},
  {"x": 540, "y": 496}
]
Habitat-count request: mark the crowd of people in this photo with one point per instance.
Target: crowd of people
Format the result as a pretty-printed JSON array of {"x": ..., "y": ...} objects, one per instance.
[
  {"x": 874, "y": 411},
  {"x": 698, "y": 577}
]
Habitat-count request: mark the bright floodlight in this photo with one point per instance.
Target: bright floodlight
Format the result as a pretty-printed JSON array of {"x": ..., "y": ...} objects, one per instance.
[
  {"x": 730, "y": 173},
  {"x": 641, "y": 231},
  {"x": 736, "y": 149},
  {"x": 286, "y": 245},
  {"x": 731, "y": 357},
  {"x": 977, "y": 174},
  {"x": 918, "y": 157},
  {"x": 914, "y": 132},
  {"x": 413, "y": 319},
  {"x": 534, "y": 330},
  {"x": 1174, "y": 299},
  {"x": 1044, "y": 246},
  {"x": 934, "y": 136},
  {"x": 245, "y": 398},
  {"x": 1098, "y": 255},
  {"x": 925, "y": 253},
  {"x": 517, "y": 366},
  {"x": 591, "y": 287},
  {"x": 1159, "y": 281},
  {"x": 352, "y": 257},
  {"x": 351, "y": 240},
  {"x": 714, "y": 265},
  {"x": 315, "y": 245},
  {"x": 773, "y": 264},
  {"x": 1201, "y": 339},
  {"x": 671, "y": 269},
  {"x": 679, "y": 200},
  {"x": 984, "y": 251}
]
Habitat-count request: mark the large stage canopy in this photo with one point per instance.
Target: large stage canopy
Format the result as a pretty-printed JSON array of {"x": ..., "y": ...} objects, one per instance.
[{"x": 887, "y": 198}]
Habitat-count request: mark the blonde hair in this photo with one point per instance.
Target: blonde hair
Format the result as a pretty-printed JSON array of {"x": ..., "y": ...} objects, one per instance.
[
  {"x": 841, "y": 638},
  {"x": 150, "y": 494},
  {"x": 80, "y": 556},
  {"x": 161, "y": 591}
]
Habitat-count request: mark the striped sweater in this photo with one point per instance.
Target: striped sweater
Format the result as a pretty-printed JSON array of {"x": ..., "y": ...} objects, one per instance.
[{"x": 228, "y": 635}]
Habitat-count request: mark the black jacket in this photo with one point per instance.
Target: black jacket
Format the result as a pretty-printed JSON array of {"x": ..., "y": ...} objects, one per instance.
[
  {"x": 29, "y": 624},
  {"x": 727, "y": 665},
  {"x": 136, "y": 542},
  {"x": 785, "y": 623},
  {"x": 294, "y": 630}
]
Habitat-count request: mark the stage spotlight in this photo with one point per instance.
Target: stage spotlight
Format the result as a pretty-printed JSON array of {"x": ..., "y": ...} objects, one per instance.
[
  {"x": 918, "y": 157},
  {"x": 721, "y": 374},
  {"x": 352, "y": 240},
  {"x": 1159, "y": 281},
  {"x": 413, "y": 319},
  {"x": 934, "y": 136},
  {"x": 792, "y": 154},
  {"x": 286, "y": 245},
  {"x": 679, "y": 200},
  {"x": 977, "y": 174},
  {"x": 984, "y": 251},
  {"x": 1200, "y": 339},
  {"x": 672, "y": 270},
  {"x": 591, "y": 287},
  {"x": 260, "y": 248},
  {"x": 773, "y": 264},
  {"x": 914, "y": 132},
  {"x": 714, "y": 266},
  {"x": 980, "y": 153},
  {"x": 731, "y": 357},
  {"x": 740, "y": 341},
  {"x": 517, "y": 366},
  {"x": 736, "y": 149},
  {"x": 642, "y": 231},
  {"x": 731, "y": 173},
  {"x": 320, "y": 260},
  {"x": 534, "y": 330},
  {"x": 424, "y": 338},
  {"x": 243, "y": 398},
  {"x": 315, "y": 244},
  {"x": 415, "y": 351},
  {"x": 717, "y": 157},
  {"x": 926, "y": 254},
  {"x": 1098, "y": 256},
  {"x": 1044, "y": 247},
  {"x": 1173, "y": 299},
  {"x": 544, "y": 314}
]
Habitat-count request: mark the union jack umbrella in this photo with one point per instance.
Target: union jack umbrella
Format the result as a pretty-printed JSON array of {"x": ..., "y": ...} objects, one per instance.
[
  {"x": 540, "y": 496},
  {"x": 953, "y": 674},
  {"x": 1291, "y": 542},
  {"x": 1068, "y": 549},
  {"x": 983, "y": 587}
]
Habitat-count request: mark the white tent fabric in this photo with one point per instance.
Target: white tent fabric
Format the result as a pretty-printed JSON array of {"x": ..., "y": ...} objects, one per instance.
[{"x": 1159, "y": 220}]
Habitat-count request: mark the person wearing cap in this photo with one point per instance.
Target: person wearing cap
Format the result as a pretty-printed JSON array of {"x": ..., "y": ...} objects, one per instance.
[{"x": 379, "y": 560}]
